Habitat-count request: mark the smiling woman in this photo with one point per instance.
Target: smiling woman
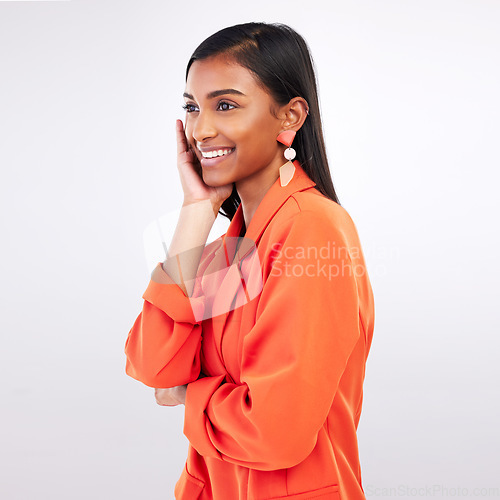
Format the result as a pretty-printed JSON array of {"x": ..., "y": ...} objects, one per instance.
[{"x": 265, "y": 349}]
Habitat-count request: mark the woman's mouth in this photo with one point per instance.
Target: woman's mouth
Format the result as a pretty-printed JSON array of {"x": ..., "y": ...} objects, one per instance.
[{"x": 211, "y": 158}]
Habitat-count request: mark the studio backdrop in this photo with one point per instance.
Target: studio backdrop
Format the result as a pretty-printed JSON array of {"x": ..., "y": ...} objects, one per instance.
[{"x": 89, "y": 94}]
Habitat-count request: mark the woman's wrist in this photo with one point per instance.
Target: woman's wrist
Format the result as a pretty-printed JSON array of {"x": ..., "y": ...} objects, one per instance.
[{"x": 203, "y": 204}]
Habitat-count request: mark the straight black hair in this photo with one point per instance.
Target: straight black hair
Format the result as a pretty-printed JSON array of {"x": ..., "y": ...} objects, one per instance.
[{"x": 282, "y": 62}]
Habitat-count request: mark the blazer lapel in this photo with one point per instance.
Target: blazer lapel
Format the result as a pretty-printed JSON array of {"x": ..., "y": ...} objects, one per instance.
[{"x": 236, "y": 278}]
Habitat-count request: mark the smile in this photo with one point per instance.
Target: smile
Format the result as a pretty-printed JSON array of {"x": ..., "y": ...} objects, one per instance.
[
  {"x": 216, "y": 153},
  {"x": 213, "y": 158}
]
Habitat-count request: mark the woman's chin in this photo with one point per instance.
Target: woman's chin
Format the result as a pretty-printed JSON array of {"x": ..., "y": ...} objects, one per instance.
[{"x": 214, "y": 179}]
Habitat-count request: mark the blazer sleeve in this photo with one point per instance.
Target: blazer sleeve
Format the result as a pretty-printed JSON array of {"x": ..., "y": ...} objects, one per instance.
[
  {"x": 293, "y": 356},
  {"x": 163, "y": 346}
]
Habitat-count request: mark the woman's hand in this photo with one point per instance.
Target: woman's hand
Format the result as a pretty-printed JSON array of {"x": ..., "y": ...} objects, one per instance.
[
  {"x": 172, "y": 396},
  {"x": 191, "y": 175}
]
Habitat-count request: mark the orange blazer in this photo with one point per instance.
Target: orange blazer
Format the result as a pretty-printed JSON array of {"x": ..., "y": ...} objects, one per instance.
[{"x": 275, "y": 374}]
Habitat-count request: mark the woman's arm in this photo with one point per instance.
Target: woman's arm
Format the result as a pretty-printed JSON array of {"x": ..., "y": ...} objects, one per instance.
[
  {"x": 186, "y": 248},
  {"x": 163, "y": 345}
]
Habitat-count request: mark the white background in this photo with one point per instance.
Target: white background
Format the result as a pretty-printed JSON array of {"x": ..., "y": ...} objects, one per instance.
[{"x": 89, "y": 94}]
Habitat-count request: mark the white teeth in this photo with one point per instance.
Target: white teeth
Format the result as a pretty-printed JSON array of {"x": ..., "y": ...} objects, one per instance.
[{"x": 215, "y": 154}]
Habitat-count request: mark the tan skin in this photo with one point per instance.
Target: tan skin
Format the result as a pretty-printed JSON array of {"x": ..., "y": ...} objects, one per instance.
[{"x": 243, "y": 122}]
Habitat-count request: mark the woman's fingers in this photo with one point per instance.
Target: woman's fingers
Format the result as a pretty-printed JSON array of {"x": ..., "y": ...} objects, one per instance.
[
  {"x": 182, "y": 145},
  {"x": 171, "y": 396},
  {"x": 191, "y": 173},
  {"x": 166, "y": 397},
  {"x": 185, "y": 153}
]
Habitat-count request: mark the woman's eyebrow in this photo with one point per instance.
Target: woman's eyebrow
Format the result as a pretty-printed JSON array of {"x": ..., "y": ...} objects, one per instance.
[{"x": 216, "y": 93}]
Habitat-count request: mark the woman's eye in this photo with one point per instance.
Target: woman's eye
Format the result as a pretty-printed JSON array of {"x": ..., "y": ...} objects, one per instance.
[
  {"x": 224, "y": 105},
  {"x": 189, "y": 107}
]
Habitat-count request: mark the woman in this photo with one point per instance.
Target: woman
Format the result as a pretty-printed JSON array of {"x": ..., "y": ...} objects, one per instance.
[{"x": 263, "y": 334}]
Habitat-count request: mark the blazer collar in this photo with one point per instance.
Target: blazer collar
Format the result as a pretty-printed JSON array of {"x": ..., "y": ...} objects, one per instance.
[{"x": 269, "y": 205}]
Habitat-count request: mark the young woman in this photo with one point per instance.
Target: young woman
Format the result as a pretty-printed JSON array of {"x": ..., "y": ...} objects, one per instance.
[{"x": 264, "y": 333}]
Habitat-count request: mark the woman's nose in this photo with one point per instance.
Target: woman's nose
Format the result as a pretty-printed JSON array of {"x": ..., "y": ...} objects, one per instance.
[{"x": 203, "y": 127}]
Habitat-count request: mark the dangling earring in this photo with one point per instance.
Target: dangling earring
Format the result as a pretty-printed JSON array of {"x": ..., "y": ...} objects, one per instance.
[{"x": 288, "y": 169}]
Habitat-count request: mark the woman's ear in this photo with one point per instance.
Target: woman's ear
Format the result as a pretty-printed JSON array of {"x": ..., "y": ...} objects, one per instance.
[{"x": 295, "y": 114}]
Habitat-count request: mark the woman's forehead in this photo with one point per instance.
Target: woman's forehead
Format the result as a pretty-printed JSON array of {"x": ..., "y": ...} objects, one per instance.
[{"x": 216, "y": 73}]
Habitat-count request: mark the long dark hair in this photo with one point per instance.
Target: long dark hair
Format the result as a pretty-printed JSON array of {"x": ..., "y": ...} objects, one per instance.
[{"x": 281, "y": 60}]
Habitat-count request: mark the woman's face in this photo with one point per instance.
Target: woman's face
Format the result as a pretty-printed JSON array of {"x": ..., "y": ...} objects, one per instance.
[{"x": 227, "y": 110}]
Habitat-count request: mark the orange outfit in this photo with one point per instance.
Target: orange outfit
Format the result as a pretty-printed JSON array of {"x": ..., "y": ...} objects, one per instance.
[{"x": 275, "y": 385}]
